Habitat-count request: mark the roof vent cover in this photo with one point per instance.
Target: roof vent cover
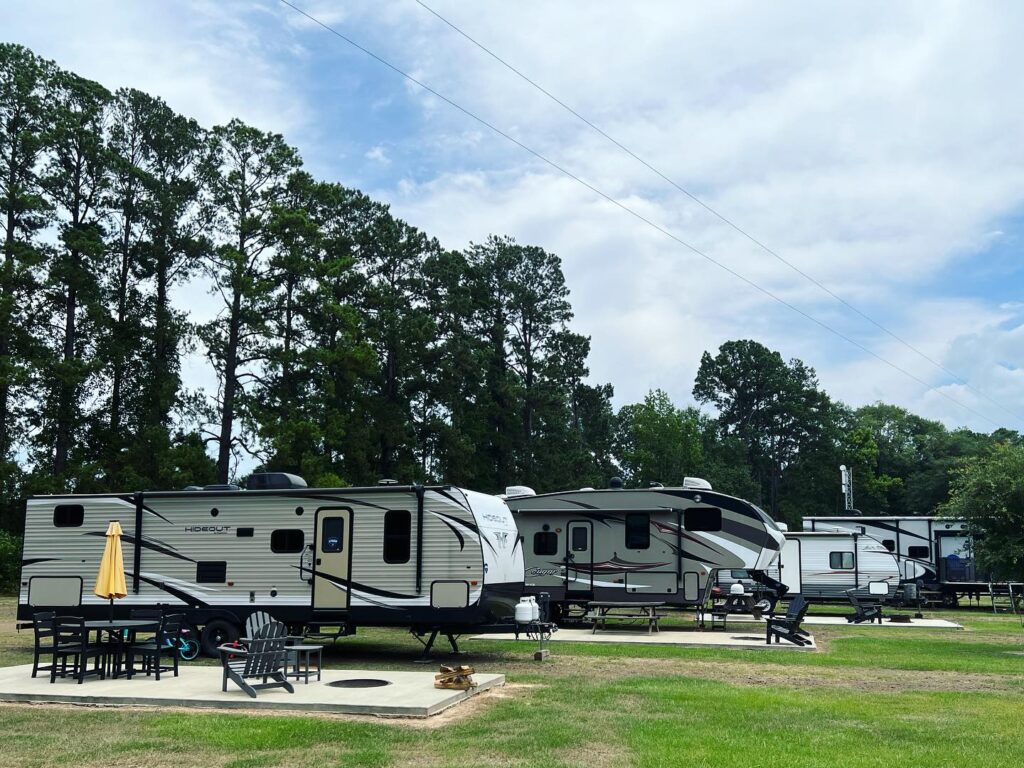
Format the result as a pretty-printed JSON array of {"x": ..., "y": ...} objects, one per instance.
[
  {"x": 520, "y": 490},
  {"x": 273, "y": 481}
]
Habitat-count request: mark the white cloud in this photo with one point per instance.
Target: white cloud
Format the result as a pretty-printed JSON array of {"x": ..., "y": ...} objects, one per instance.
[{"x": 378, "y": 154}]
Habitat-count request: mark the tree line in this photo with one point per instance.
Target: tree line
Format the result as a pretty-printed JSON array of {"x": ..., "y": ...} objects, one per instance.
[{"x": 348, "y": 346}]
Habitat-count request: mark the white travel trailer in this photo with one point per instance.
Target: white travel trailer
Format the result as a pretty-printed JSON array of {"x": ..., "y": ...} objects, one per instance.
[
  {"x": 933, "y": 550},
  {"x": 430, "y": 558},
  {"x": 822, "y": 566},
  {"x": 638, "y": 545}
]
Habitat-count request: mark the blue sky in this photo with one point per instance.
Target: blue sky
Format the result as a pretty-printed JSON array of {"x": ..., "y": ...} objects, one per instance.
[{"x": 877, "y": 147}]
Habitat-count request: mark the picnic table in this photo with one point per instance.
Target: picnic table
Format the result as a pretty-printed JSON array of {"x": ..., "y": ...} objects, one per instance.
[
  {"x": 601, "y": 612},
  {"x": 732, "y": 605}
]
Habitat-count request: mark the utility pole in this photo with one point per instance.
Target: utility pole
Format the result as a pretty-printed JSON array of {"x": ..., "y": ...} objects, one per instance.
[{"x": 846, "y": 479}]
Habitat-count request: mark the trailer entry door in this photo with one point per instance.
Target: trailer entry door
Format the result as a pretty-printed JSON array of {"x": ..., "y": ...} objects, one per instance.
[
  {"x": 579, "y": 557},
  {"x": 332, "y": 559},
  {"x": 789, "y": 566}
]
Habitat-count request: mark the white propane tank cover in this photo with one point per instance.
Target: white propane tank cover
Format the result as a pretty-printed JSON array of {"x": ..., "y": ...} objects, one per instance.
[
  {"x": 519, "y": 490},
  {"x": 524, "y": 611},
  {"x": 697, "y": 483},
  {"x": 736, "y": 589}
]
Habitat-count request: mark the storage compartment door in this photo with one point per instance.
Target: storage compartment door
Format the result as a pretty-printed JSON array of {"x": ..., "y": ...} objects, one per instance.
[{"x": 652, "y": 582}]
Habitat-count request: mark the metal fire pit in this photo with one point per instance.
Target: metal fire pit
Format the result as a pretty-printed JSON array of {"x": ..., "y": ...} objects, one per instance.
[{"x": 360, "y": 682}]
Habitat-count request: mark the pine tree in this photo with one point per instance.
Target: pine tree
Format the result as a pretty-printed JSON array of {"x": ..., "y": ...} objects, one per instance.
[
  {"x": 76, "y": 179},
  {"x": 248, "y": 172},
  {"x": 24, "y": 125}
]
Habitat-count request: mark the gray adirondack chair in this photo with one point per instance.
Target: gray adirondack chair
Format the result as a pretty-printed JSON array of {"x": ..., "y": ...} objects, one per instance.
[{"x": 263, "y": 660}]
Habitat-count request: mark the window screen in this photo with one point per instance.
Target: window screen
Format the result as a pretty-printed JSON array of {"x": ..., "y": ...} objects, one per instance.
[
  {"x": 545, "y": 543},
  {"x": 889, "y": 544},
  {"x": 397, "y": 535},
  {"x": 638, "y": 530},
  {"x": 702, "y": 519},
  {"x": 68, "y": 515},
  {"x": 919, "y": 553},
  {"x": 580, "y": 534},
  {"x": 285, "y": 540},
  {"x": 840, "y": 561},
  {"x": 332, "y": 535},
  {"x": 212, "y": 572}
]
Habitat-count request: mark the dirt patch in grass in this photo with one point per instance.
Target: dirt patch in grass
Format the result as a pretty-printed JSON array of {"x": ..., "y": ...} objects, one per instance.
[{"x": 752, "y": 674}]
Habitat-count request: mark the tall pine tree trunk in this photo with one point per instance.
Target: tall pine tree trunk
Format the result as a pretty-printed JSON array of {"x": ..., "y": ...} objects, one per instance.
[
  {"x": 227, "y": 418},
  {"x": 119, "y": 363},
  {"x": 6, "y": 309},
  {"x": 160, "y": 401},
  {"x": 65, "y": 387}
]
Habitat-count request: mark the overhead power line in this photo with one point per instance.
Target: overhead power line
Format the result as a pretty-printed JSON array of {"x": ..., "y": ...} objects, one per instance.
[
  {"x": 721, "y": 217},
  {"x": 631, "y": 211}
]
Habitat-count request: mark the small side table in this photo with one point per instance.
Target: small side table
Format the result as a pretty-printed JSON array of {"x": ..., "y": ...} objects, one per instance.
[{"x": 301, "y": 655}]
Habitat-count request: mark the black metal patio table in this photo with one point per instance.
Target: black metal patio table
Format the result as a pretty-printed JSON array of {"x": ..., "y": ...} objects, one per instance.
[{"x": 115, "y": 630}]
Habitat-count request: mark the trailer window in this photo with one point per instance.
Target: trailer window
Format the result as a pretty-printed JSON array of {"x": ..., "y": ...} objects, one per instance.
[
  {"x": 212, "y": 572},
  {"x": 332, "y": 535},
  {"x": 889, "y": 544},
  {"x": 918, "y": 553},
  {"x": 545, "y": 543},
  {"x": 397, "y": 535},
  {"x": 638, "y": 530},
  {"x": 68, "y": 515},
  {"x": 840, "y": 561},
  {"x": 739, "y": 574},
  {"x": 287, "y": 540},
  {"x": 702, "y": 519},
  {"x": 579, "y": 539}
]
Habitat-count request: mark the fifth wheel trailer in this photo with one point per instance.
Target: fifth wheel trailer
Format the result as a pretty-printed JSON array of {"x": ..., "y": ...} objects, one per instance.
[
  {"x": 638, "y": 545},
  {"x": 429, "y": 558}
]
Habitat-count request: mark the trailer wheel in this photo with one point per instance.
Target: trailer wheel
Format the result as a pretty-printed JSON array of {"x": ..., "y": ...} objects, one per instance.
[{"x": 217, "y": 632}]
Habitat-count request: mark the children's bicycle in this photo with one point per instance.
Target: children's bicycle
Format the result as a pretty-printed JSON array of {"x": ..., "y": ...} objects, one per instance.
[{"x": 188, "y": 646}]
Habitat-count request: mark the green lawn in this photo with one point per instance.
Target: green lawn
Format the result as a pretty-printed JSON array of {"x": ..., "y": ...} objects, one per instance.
[{"x": 871, "y": 697}]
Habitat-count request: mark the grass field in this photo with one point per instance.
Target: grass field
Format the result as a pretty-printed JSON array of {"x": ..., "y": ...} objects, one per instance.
[{"x": 869, "y": 697}]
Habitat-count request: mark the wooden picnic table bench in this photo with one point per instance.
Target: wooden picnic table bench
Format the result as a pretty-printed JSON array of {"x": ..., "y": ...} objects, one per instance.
[{"x": 601, "y": 612}]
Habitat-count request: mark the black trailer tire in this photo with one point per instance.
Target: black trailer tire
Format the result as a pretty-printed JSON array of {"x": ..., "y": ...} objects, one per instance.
[{"x": 218, "y": 632}]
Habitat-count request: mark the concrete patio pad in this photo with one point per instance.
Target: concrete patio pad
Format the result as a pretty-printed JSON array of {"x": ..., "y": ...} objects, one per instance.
[
  {"x": 667, "y": 636},
  {"x": 407, "y": 694}
]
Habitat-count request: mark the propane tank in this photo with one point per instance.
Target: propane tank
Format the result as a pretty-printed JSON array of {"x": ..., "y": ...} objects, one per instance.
[
  {"x": 534, "y": 609},
  {"x": 524, "y": 611}
]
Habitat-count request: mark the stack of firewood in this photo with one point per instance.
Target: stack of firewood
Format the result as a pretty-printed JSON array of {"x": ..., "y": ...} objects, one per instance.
[{"x": 457, "y": 678}]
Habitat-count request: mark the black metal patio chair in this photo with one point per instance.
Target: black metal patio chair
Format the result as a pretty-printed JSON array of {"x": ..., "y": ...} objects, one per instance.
[
  {"x": 71, "y": 641},
  {"x": 265, "y": 659},
  {"x": 165, "y": 642},
  {"x": 788, "y": 627}
]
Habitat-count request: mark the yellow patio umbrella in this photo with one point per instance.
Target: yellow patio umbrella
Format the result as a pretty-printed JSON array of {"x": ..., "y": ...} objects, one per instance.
[{"x": 110, "y": 578}]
